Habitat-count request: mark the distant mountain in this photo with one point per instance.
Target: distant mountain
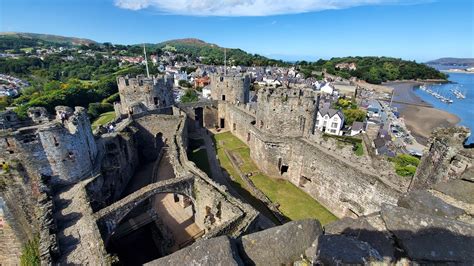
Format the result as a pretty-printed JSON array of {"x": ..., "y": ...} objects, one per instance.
[
  {"x": 451, "y": 61},
  {"x": 46, "y": 38}
]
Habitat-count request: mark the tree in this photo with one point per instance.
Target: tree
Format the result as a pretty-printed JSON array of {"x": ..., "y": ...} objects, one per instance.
[
  {"x": 351, "y": 115},
  {"x": 374, "y": 76},
  {"x": 391, "y": 71},
  {"x": 184, "y": 83},
  {"x": 190, "y": 95},
  {"x": 95, "y": 109}
]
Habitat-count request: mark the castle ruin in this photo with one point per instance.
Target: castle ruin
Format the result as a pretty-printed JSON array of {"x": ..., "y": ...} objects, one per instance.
[
  {"x": 142, "y": 93},
  {"x": 97, "y": 195}
]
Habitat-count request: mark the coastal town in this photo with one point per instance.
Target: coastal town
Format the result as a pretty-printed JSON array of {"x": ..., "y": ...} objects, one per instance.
[
  {"x": 370, "y": 108},
  {"x": 305, "y": 132}
]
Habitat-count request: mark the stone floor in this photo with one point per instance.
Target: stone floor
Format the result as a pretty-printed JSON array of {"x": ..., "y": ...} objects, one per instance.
[
  {"x": 178, "y": 219},
  {"x": 78, "y": 236},
  {"x": 10, "y": 248}
]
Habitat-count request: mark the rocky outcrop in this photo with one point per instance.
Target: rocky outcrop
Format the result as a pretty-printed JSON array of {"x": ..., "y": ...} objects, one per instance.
[
  {"x": 215, "y": 251},
  {"x": 338, "y": 249},
  {"x": 425, "y": 202},
  {"x": 427, "y": 238},
  {"x": 280, "y": 245}
]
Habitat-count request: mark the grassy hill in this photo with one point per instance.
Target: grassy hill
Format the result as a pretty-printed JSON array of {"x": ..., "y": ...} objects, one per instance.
[
  {"x": 48, "y": 38},
  {"x": 214, "y": 54},
  {"x": 374, "y": 69}
]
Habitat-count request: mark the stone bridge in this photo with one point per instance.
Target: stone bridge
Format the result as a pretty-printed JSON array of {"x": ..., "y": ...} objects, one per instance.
[{"x": 109, "y": 217}]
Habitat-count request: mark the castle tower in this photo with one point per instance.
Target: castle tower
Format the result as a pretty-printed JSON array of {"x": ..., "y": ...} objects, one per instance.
[
  {"x": 63, "y": 148},
  {"x": 69, "y": 145},
  {"x": 286, "y": 112},
  {"x": 443, "y": 161},
  {"x": 230, "y": 88},
  {"x": 142, "y": 93}
]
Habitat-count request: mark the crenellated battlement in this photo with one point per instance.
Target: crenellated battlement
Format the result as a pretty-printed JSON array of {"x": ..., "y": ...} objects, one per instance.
[
  {"x": 63, "y": 147},
  {"x": 144, "y": 93},
  {"x": 230, "y": 88},
  {"x": 286, "y": 112}
]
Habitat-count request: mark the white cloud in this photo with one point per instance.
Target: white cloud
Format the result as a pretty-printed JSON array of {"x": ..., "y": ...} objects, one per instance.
[{"x": 235, "y": 8}]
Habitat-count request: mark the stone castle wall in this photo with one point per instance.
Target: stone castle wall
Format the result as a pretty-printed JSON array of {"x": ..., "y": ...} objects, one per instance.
[
  {"x": 286, "y": 112},
  {"x": 70, "y": 147},
  {"x": 230, "y": 88},
  {"x": 342, "y": 187},
  {"x": 445, "y": 159},
  {"x": 63, "y": 150},
  {"x": 142, "y": 93},
  {"x": 118, "y": 164}
]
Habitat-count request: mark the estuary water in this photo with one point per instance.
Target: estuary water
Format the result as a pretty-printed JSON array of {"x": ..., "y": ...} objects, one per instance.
[{"x": 463, "y": 108}]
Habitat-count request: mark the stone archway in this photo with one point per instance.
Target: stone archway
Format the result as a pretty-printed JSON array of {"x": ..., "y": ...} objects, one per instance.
[{"x": 108, "y": 218}]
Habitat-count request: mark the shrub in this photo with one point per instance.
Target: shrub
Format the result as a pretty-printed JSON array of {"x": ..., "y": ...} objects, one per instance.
[
  {"x": 6, "y": 167},
  {"x": 408, "y": 170},
  {"x": 30, "y": 253},
  {"x": 95, "y": 109},
  {"x": 112, "y": 98},
  {"x": 405, "y": 165},
  {"x": 184, "y": 83},
  {"x": 189, "y": 96}
]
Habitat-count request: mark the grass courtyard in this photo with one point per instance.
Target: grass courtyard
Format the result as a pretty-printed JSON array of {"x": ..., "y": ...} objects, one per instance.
[
  {"x": 103, "y": 119},
  {"x": 294, "y": 203}
]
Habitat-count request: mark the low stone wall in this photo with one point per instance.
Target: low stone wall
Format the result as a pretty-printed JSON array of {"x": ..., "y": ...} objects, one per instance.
[
  {"x": 20, "y": 212},
  {"x": 256, "y": 192}
]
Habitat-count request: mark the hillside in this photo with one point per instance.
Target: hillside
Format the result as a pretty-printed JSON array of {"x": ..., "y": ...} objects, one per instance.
[
  {"x": 214, "y": 54},
  {"x": 373, "y": 69},
  {"x": 451, "y": 61},
  {"x": 49, "y": 38}
]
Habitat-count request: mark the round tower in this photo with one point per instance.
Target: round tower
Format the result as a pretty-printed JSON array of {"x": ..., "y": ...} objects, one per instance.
[
  {"x": 286, "y": 112},
  {"x": 230, "y": 88},
  {"x": 68, "y": 145}
]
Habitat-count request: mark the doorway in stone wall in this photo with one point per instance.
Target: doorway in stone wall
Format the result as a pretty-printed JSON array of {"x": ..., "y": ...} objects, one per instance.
[
  {"x": 199, "y": 116},
  {"x": 222, "y": 123}
]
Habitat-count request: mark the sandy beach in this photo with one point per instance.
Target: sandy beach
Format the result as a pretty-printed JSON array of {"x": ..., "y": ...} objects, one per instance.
[{"x": 420, "y": 117}]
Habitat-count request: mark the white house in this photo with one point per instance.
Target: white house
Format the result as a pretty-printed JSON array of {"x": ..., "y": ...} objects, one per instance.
[
  {"x": 357, "y": 128},
  {"x": 180, "y": 76},
  {"x": 206, "y": 92},
  {"x": 327, "y": 88},
  {"x": 330, "y": 121}
]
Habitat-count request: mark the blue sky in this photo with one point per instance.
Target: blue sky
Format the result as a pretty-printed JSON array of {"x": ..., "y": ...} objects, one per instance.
[{"x": 304, "y": 29}]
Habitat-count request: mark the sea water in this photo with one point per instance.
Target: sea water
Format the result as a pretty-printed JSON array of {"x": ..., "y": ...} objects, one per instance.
[{"x": 463, "y": 108}]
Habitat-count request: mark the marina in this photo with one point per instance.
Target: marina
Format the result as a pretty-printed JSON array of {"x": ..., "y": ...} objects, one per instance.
[
  {"x": 458, "y": 93},
  {"x": 436, "y": 94},
  {"x": 461, "y": 107}
]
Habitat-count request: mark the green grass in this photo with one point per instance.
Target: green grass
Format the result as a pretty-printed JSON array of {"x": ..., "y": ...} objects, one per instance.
[
  {"x": 359, "y": 150},
  {"x": 103, "y": 119},
  {"x": 30, "y": 253},
  {"x": 405, "y": 165},
  {"x": 88, "y": 82},
  {"x": 27, "y": 49},
  {"x": 199, "y": 157},
  {"x": 294, "y": 203}
]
